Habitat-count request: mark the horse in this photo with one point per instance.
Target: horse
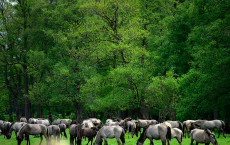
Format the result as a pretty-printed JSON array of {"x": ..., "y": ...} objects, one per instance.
[
  {"x": 203, "y": 136},
  {"x": 23, "y": 119},
  {"x": 158, "y": 131},
  {"x": 56, "y": 122},
  {"x": 67, "y": 122},
  {"x": 87, "y": 124},
  {"x": 4, "y": 127},
  {"x": 175, "y": 124},
  {"x": 186, "y": 127},
  {"x": 205, "y": 124},
  {"x": 43, "y": 121},
  {"x": 110, "y": 122},
  {"x": 132, "y": 128},
  {"x": 110, "y": 132},
  {"x": 90, "y": 133},
  {"x": 14, "y": 127},
  {"x": 55, "y": 131},
  {"x": 62, "y": 127},
  {"x": 75, "y": 132},
  {"x": 144, "y": 123},
  {"x": 95, "y": 121},
  {"x": 123, "y": 123},
  {"x": 32, "y": 129},
  {"x": 177, "y": 133},
  {"x": 32, "y": 121}
]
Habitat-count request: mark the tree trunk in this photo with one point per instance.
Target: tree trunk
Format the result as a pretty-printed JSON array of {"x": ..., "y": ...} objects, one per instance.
[
  {"x": 78, "y": 112},
  {"x": 39, "y": 115}
]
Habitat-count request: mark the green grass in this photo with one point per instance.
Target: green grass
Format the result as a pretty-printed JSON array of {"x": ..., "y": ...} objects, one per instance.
[{"x": 129, "y": 141}]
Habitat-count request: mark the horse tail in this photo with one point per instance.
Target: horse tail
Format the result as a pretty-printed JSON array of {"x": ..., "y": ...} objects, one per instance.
[
  {"x": 180, "y": 125},
  {"x": 122, "y": 137},
  {"x": 168, "y": 135},
  {"x": 47, "y": 132},
  {"x": 183, "y": 128},
  {"x": 222, "y": 124},
  {"x": 129, "y": 128}
]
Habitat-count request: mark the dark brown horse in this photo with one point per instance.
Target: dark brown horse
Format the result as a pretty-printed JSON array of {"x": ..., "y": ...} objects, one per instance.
[
  {"x": 4, "y": 127},
  {"x": 76, "y": 134},
  {"x": 90, "y": 133}
]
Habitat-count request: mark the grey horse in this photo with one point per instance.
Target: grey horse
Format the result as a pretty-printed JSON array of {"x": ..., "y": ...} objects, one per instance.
[
  {"x": 54, "y": 130},
  {"x": 178, "y": 134},
  {"x": 62, "y": 127},
  {"x": 132, "y": 127},
  {"x": 158, "y": 131},
  {"x": 203, "y": 136},
  {"x": 110, "y": 132},
  {"x": 205, "y": 124},
  {"x": 32, "y": 129},
  {"x": 175, "y": 124},
  {"x": 23, "y": 119},
  {"x": 14, "y": 127},
  {"x": 187, "y": 126}
]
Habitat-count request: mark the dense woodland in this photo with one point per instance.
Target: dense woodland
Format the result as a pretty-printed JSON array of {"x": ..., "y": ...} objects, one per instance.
[{"x": 161, "y": 59}]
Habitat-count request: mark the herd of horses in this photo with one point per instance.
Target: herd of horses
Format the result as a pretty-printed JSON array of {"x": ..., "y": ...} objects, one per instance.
[{"x": 198, "y": 130}]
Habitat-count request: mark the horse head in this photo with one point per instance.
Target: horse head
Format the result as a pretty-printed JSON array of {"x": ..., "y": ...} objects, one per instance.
[
  {"x": 211, "y": 137},
  {"x": 8, "y": 130}
]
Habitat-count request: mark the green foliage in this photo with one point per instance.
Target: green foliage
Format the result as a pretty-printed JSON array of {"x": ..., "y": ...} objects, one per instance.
[{"x": 116, "y": 56}]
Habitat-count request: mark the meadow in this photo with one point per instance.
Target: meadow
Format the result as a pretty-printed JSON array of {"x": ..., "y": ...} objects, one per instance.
[{"x": 129, "y": 141}]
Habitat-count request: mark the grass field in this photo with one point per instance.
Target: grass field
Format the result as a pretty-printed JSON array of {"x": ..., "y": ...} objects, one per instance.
[{"x": 129, "y": 141}]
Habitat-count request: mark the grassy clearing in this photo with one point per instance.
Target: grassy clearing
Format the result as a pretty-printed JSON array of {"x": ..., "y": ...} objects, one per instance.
[{"x": 129, "y": 141}]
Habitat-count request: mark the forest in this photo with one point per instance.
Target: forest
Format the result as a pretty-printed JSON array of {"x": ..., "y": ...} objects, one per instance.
[{"x": 161, "y": 59}]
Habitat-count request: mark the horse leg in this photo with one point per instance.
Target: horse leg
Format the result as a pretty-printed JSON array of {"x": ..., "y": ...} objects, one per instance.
[
  {"x": 223, "y": 132},
  {"x": 118, "y": 141},
  {"x": 196, "y": 143},
  {"x": 168, "y": 141},
  {"x": 27, "y": 140},
  {"x": 89, "y": 139},
  {"x": 192, "y": 141},
  {"x": 65, "y": 134},
  {"x": 105, "y": 141},
  {"x": 218, "y": 133},
  {"x": 71, "y": 140},
  {"x": 41, "y": 139},
  {"x": 163, "y": 142},
  {"x": 151, "y": 141}
]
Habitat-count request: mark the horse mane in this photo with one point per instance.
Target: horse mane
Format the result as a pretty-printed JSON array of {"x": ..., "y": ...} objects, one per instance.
[
  {"x": 21, "y": 129},
  {"x": 10, "y": 128},
  {"x": 98, "y": 137}
]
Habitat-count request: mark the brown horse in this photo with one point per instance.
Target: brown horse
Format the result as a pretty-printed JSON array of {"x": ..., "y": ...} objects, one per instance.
[{"x": 90, "y": 133}]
